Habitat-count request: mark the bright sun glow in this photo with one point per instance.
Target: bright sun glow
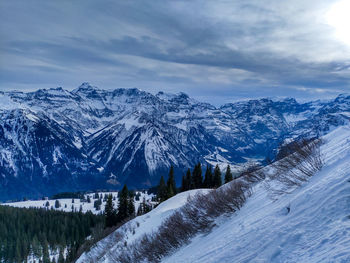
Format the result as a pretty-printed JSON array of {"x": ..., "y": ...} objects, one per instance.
[{"x": 339, "y": 17}]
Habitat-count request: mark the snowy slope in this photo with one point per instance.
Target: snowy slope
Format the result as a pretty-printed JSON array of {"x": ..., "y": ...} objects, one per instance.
[
  {"x": 104, "y": 250},
  {"x": 317, "y": 228}
]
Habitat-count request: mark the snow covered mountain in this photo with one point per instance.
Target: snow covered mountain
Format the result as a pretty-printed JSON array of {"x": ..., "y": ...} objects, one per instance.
[
  {"x": 311, "y": 224},
  {"x": 57, "y": 140}
]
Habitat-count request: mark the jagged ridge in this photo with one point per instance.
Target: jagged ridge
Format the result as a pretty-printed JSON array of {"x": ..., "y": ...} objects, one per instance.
[{"x": 54, "y": 139}]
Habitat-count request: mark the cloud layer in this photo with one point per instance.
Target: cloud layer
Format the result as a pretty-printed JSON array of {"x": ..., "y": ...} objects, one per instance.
[{"x": 213, "y": 50}]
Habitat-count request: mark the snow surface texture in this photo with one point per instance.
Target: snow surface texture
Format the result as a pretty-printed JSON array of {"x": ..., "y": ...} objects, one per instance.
[{"x": 312, "y": 224}]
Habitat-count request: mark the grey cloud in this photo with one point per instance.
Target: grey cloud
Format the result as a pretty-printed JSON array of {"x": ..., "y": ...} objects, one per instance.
[{"x": 224, "y": 48}]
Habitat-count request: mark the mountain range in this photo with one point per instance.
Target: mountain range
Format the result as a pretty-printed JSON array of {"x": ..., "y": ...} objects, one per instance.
[{"x": 55, "y": 140}]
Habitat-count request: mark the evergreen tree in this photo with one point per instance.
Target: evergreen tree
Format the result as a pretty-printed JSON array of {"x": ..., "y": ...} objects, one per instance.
[
  {"x": 60, "y": 256},
  {"x": 208, "y": 177},
  {"x": 139, "y": 211},
  {"x": 228, "y": 175},
  {"x": 137, "y": 196},
  {"x": 110, "y": 213},
  {"x": 36, "y": 247},
  {"x": 171, "y": 185},
  {"x": 146, "y": 206},
  {"x": 88, "y": 199},
  {"x": 18, "y": 251},
  {"x": 197, "y": 176},
  {"x": 57, "y": 204},
  {"x": 217, "y": 177},
  {"x": 46, "y": 257},
  {"x": 30, "y": 232},
  {"x": 123, "y": 204},
  {"x": 183, "y": 184},
  {"x": 162, "y": 190},
  {"x": 189, "y": 184},
  {"x": 131, "y": 206},
  {"x": 143, "y": 208},
  {"x": 97, "y": 204}
]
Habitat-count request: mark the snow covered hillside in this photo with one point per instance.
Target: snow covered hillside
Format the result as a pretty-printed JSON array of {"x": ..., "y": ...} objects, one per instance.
[
  {"x": 316, "y": 229},
  {"x": 312, "y": 224},
  {"x": 74, "y": 204},
  {"x": 104, "y": 250}
]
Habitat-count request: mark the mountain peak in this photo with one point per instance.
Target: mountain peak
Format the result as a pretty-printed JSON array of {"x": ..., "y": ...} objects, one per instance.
[
  {"x": 85, "y": 87},
  {"x": 181, "y": 96},
  {"x": 342, "y": 96}
]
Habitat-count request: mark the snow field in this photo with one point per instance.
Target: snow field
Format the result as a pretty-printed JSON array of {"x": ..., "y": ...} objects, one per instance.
[{"x": 67, "y": 203}]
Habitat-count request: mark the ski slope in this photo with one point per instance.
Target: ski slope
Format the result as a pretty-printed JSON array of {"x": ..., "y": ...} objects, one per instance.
[{"x": 316, "y": 229}]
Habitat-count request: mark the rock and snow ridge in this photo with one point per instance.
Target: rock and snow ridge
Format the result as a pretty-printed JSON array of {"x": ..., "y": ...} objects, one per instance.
[
  {"x": 89, "y": 138},
  {"x": 315, "y": 228}
]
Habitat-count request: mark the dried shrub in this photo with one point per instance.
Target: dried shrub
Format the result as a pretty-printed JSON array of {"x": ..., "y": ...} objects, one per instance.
[
  {"x": 196, "y": 216},
  {"x": 300, "y": 160},
  {"x": 253, "y": 174},
  {"x": 297, "y": 162}
]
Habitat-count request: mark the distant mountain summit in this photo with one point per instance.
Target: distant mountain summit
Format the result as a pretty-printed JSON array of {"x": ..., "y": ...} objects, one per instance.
[{"x": 57, "y": 140}]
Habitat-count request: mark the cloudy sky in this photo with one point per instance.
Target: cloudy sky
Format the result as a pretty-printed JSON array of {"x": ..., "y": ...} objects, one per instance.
[{"x": 216, "y": 51}]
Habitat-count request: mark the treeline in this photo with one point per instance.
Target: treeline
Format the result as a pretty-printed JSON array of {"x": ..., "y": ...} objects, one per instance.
[
  {"x": 36, "y": 231},
  {"x": 198, "y": 215},
  {"x": 192, "y": 180},
  {"x": 114, "y": 217},
  {"x": 125, "y": 210},
  {"x": 77, "y": 195}
]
